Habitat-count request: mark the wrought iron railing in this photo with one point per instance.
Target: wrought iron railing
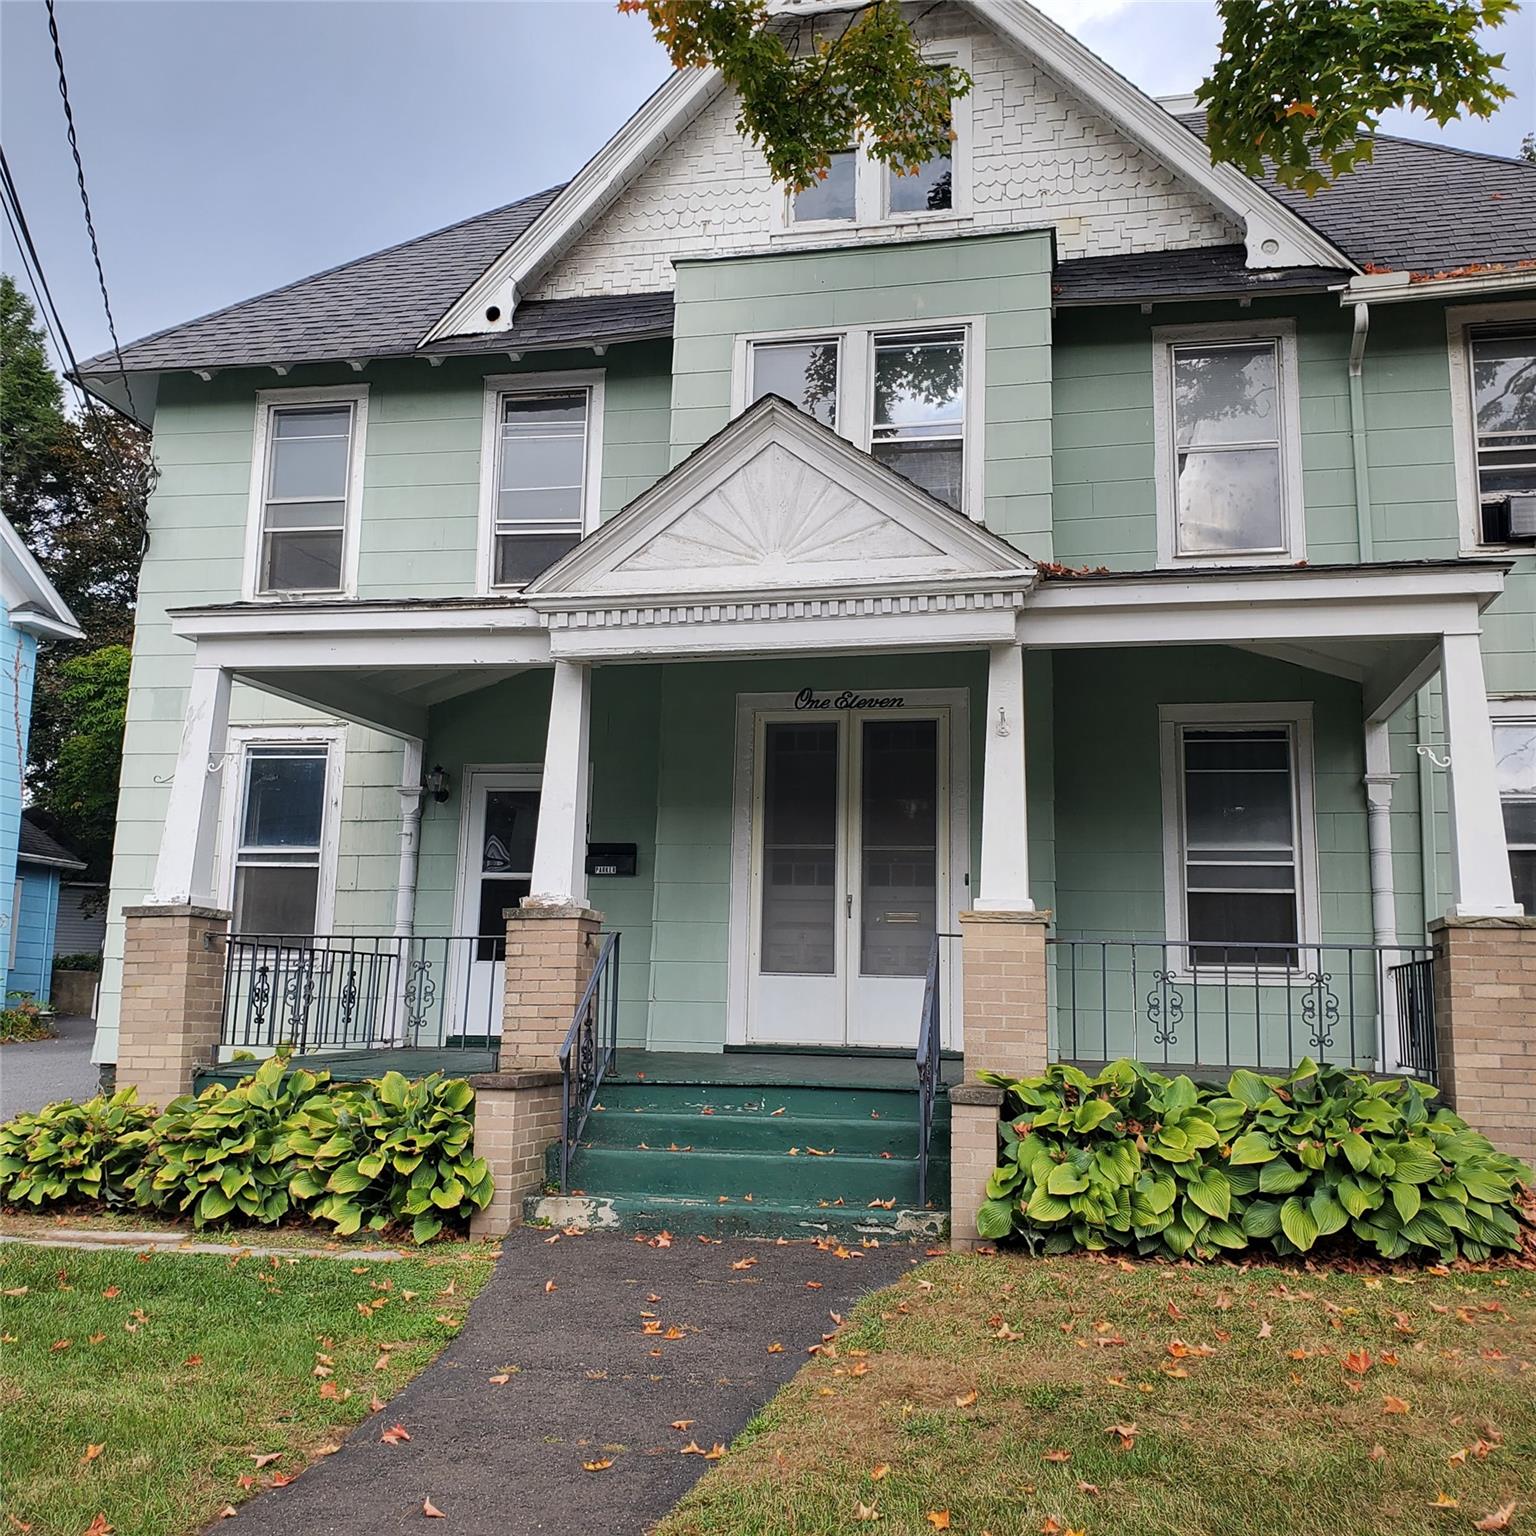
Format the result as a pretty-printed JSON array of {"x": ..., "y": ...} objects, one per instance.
[
  {"x": 930, "y": 1066},
  {"x": 362, "y": 992},
  {"x": 1257, "y": 1005},
  {"x": 591, "y": 1044}
]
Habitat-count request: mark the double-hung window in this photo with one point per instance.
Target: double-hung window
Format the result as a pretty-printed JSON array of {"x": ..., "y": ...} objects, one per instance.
[
  {"x": 306, "y": 489},
  {"x": 1229, "y": 461},
  {"x": 901, "y": 394},
  {"x": 1514, "y": 748},
  {"x": 280, "y": 831},
  {"x": 539, "y": 483},
  {"x": 1239, "y": 836},
  {"x": 1503, "y": 368}
]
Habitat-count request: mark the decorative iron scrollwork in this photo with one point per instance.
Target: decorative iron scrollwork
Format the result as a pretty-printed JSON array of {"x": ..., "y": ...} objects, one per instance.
[
  {"x": 420, "y": 996},
  {"x": 1320, "y": 1009},
  {"x": 1165, "y": 1008}
]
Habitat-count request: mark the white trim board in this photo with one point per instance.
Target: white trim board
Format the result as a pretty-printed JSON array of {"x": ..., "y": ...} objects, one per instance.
[{"x": 1274, "y": 235}]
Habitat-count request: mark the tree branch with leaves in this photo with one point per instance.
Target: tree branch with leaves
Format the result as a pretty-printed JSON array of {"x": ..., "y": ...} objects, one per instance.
[{"x": 1298, "y": 88}]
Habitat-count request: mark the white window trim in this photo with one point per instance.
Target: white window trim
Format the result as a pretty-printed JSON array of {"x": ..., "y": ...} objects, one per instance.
[
  {"x": 871, "y": 199},
  {"x": 1460, "y": 320},
  {"x": 1293, "y": 501},
  {"x": 1514, "y": 709},
  {"x": 856, "y": 384},
  {"x": 1295, "y": 717},
  {"x": 498, "y": 386},
  {"x": 268, "y": 400},
  {"x": 232, "y": 801}
]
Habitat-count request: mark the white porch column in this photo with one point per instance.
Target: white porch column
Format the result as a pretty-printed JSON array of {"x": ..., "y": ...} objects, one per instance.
[
  {"x": 1479, "y": 855},
  {"x": 560, "y": 844},
  {"x": 184, "y": 869},
  {"x": 1004, "y": 881},
  {"x": 1379, "y": 780},
  {"x": 410, "y": 837}
]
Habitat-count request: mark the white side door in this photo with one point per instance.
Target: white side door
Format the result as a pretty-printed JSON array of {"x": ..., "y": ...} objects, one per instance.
[{"x": 501, "y": 816}]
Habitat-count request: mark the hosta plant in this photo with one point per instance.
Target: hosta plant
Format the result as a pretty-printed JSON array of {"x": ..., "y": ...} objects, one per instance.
[
  {"x": 75, "y": 1152},
  {"x": 391, "y": 1150},
  {"x": 1134, "y": 1159},
  {"x": 227, "y": 1152}
]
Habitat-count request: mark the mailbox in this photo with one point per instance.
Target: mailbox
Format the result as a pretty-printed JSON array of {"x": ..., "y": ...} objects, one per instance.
[{"x": 610, "y": 858}]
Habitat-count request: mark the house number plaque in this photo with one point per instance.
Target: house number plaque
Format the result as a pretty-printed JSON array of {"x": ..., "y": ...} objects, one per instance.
[{"x": 807, "y": 698}]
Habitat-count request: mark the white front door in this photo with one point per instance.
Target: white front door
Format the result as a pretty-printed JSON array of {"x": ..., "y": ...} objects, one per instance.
[
  {"x": 849, "y": 873},
  {"x": 501, "y": 815}
]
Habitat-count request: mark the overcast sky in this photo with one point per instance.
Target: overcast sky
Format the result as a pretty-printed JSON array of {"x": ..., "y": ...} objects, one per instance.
[{"x": 234, "y": 145}]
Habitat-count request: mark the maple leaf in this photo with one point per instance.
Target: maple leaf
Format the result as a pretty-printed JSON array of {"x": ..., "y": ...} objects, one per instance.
[
  {"x": 693, "y": 1448},
  {"x": 101, "y": 1526},
  {"x": 267, "y": 1459},
  {"x": 813, "y": 1285},
  {"x": 966, "y": 1399},
  {"x": 682, "y": 1423},
  {"x": 1058, "y": 1456},
  {"x": 775, "y": 1348},
  {"x": 597, "y": 1466},
  {"x": 1301, "y": 109},
  {"x": 95, "y": 1338},
  {"x": 112, "y": 1292},
  {"x": 1052, "y": 1526},
  {"x": 1377, "y": 1453},
  {"x": 1390, "y": 1404},
  {"x": 880, "y": 1473},
  {"x": 395, "y": 1434},
  {"x": 743, "y": 1263},
  {"x": 865, "y": 1512},
  {"x": 245, "y": 1480},
  {"x": 1443, "y": 1500},
  {"x": 1357, "y": 1361},
  {"x": 938, "y": 1519},
  {"x": 376, "y": 1403},
  {"x": 330, "y": 1448},
  {"x": 59, "y": 1344},
  {"x": 1126, "y": 1432},
  {"x": 1497, "y": 1520},
  {"x": 1264, "y": 1329},
  {"x": 715, "y": 1452},
  {"x": 228, "y": 1512},
  {"x": 282, "y": 1479},
  {"x": 549, "y": 1286},
  {"x": 1089, "y": 1488},
  {"x": 431, "y": 1511},
  {"x": 500, "y": 1379}
]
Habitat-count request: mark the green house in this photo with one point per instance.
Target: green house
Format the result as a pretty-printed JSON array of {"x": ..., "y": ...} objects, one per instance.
[{"x": 1073, "y": 528}]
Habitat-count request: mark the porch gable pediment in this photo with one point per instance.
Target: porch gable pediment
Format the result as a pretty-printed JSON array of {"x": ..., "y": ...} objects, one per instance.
[{"x": 775, "y": 502}]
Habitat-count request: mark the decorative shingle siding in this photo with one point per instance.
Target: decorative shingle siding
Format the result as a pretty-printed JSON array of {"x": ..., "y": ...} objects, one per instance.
[{"x": 1039, "y": 157}]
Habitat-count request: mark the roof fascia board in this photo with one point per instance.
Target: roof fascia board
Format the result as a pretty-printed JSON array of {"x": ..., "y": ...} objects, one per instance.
[
  {"x": 1265, "y": 219},
  {"x": 586, "y": 197},
  {"x": 1400, "y": 287},
  {"x": 43, "y": 612}
]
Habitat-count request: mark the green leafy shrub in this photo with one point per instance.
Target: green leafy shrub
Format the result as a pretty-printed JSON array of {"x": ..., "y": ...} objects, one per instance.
[
  {"x": 25, "y": 1020},
  {"x": 75, "y": 1152},
  {"x": 391, "y": 1150},
  {"x": 83, "y": 961},
  {"x": 226, "y": 1152},
  {"x": 1134, "y": 1159}
]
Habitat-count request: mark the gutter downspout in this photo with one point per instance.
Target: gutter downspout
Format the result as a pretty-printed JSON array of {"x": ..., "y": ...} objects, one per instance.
[
  {"x": 411, "y": 796},
  {"x": 1357, "y": 433},
  {"x": 1429, "y": 874}
]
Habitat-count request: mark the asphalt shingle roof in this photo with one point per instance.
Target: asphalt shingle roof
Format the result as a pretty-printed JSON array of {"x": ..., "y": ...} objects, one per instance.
[
  {"x": 1421, "y": 207},
  {"x": 1416, "y": 207},
  {"x": 36, "y": 844}
]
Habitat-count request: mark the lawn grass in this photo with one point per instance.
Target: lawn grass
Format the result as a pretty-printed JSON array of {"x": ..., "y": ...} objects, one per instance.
[
  {"x": 185, "y": 1367},
  {"x": 1268, "y": 1435}
]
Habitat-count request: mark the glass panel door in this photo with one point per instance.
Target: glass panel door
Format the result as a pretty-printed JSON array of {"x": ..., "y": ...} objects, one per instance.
[
  {"x": 800, "y": 816},
  {"x": 899, "y": 858}
]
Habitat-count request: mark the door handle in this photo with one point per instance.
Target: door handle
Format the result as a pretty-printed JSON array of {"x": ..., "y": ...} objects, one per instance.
[{"x": 848, "y": 900}]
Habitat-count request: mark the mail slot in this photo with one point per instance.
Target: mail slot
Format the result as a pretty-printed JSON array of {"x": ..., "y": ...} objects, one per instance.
[{"x": 611, "y": 858}]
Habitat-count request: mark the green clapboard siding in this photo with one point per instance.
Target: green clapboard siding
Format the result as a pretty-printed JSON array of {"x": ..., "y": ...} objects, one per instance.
[{"x": 1005, "y": 278}]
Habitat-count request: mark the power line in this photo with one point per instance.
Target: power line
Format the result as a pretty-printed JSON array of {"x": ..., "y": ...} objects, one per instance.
[{"x": 85, "y": 200}]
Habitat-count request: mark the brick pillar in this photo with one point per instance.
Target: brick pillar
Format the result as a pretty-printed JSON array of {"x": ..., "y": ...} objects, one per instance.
[
  {"x": 550, "y": 955},
  {"x": 173, "y": 997},
  {"x": 974, "y": 1112},
  {"x": 1007, "y": 1001},
  {"x": 1007, "y": 1029},
  {"x": 517, "y": 1116},
  {"x": 1485, "y": 1025}
]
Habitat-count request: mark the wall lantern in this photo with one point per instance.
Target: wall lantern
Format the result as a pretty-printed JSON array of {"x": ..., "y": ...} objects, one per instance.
[{"x": 438, "y": 783}]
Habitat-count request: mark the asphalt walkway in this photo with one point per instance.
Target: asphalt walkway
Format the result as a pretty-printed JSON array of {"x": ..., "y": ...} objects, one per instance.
[
  {"x": 585, "y": 1383},
  {"x": 37, "y": 1072}
]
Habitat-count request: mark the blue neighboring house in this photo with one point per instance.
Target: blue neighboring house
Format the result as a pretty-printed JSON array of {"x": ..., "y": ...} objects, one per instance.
[
  {"x": 31, "y": 610},
  {"x": 42, "y": 863}
]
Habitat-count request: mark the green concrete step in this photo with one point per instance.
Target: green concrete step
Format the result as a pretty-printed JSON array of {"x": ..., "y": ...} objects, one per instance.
[
  {"x": 649, "y": 1215},
  {"x": 758, "y": 1099},
  {"x": 877, "y": 1132},
  {"x": 774, "y": 1176}
]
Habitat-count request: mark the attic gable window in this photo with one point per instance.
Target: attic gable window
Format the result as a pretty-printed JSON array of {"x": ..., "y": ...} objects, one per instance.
[
  {"x": 833, "y": 197},
  {"x": 306, "y": 492}
]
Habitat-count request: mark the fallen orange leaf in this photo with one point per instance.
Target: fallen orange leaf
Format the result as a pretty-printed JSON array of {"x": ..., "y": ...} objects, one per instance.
[
  {"x": 1357, "y": 1361},
  {"x": 1377, "y": 1453},
  {"x": 775, "y": 1349},
  {"x": 1058, "y": 1456},
  {"x": 1498, "y": 1520},
  {"x": 715, "y": 1452},
  {"x": 693, "y": 1448},
  {"x": 549, "y": 1285},
  {"x": 682, "y": 1423},
  {"x": 880, "y": 1473},
  {"x": 966, "y": 1399},
  {"x": 395, "y": 1434},
  {"x": 938, "y": 1519},
  {"x": 267, "y": 1460},
  {"x": 431, "y": 1511},
  {"x": 1390, "y": 1404},
  {"x": 93, "y": 1451},
  {"x": 1443, "y": 1500},
  {"x": 597, "y": 1466},
  {"x": 228, "y": 1512},
  {"x": 100, "y": 1526},
  {"x": 865, "y": 1512}
]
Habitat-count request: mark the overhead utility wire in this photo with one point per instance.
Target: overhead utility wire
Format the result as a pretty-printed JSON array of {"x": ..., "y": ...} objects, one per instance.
[{"x": 85, "y": 200}]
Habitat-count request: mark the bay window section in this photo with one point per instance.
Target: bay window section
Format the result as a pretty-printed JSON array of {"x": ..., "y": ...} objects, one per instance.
[
  {"x": 1514, "y": 748},
  {"x": 1504, "y": 407},
  {"x": 803, "y": 372},
  {"x": 1238, "y": 857},
  {"x": 918, "y": 426},
  {"x": 280, "y": 829},
  {"x": 304, "y": 503},
  {"x": 540, "y": 485}
]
